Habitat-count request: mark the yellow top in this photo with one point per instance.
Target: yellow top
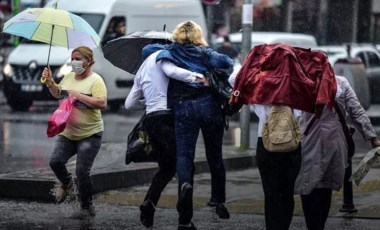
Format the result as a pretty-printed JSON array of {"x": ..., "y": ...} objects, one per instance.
[{"x": 84, "y": 122}]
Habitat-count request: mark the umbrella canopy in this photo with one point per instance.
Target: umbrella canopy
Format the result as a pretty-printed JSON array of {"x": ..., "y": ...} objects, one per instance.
[
  {"x": 52, "y": 26},
  {"x": 125, "y": 52}
]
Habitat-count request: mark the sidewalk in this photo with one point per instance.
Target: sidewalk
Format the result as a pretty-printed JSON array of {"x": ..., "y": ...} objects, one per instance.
[
  {"x": 109, "y": 172},
  {"x": 245, "y": 195},
  {"x": 115, "y": 183}
]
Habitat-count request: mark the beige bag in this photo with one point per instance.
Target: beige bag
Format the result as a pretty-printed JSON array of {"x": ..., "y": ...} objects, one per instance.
[{"x": 281, "y": 132}]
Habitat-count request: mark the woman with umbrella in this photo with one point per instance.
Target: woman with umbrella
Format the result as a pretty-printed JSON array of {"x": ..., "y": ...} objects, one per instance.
[{"x": 83, "y": 133}]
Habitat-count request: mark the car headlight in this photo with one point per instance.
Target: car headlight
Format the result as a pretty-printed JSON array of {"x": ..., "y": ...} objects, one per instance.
[
  {"x": 8, "y": 70},
  {"x": 65, "y": 69}
]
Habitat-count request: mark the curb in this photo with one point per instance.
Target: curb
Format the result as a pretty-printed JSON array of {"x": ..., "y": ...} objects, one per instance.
[
  {"x": 121, "y": 179},
  {"x": 40, "y": 189}
]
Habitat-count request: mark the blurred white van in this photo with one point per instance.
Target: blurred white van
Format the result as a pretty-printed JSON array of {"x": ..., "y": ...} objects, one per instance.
[{"x": 25, "y": 64}]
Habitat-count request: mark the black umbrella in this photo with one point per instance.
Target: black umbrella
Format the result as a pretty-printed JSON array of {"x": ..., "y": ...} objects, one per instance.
[{"x": 125, "y": 52}]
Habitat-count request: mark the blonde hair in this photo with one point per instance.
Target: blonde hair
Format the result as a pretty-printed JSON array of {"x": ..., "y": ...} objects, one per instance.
[
  {"x": 189, "y": 32},
  {"x": 86, "y": 52}
]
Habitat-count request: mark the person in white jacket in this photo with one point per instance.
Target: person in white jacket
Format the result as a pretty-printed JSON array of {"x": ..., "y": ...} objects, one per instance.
[{"x": 151, "y": 83}]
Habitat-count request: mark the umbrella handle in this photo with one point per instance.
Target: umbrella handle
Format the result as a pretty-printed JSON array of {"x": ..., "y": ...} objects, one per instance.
[{"x": 43, "y": 80}]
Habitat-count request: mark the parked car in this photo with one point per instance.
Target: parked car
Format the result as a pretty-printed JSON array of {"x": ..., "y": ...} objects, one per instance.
[
  {"x": 370, "y": 57},
  {"x": 258, "y": 38}
]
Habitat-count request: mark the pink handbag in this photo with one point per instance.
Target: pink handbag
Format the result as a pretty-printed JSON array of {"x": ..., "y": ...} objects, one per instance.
[{"x": 57, "y": 121}]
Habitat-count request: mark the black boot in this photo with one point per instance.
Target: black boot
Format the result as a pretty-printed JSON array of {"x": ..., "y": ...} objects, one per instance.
[{"x": 147, "y": 209}]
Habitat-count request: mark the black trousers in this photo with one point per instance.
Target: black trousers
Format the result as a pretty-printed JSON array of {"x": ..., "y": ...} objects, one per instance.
[
  {"x": 316, "y": 208},
  {"x": 160, "y": 128},
  {"x": 278, "y": 173}
]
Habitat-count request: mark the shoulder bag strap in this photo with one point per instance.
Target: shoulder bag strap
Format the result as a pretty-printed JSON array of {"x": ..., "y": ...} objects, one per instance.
[{"x": 342, "y": 119}]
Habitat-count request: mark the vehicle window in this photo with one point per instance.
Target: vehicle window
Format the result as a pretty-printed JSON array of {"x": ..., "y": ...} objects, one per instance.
[
  {"x": 361, "y": 55},
  {"x": 373, "y": 59},
  {"x": 95, "y": 20},
  {"x": 116, "y": 28}
]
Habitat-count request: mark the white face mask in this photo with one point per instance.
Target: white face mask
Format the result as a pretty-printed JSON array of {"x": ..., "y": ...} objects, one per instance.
[{"x": 77, "y": 67}]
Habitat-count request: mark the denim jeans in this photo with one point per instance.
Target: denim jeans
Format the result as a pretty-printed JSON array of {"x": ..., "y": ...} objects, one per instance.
[
  {"x": 86, "y": 150},
  {"x": 278, "y": 173},
  {"x": 160, "y": 128},
  {"x": 191, "y": 116}
]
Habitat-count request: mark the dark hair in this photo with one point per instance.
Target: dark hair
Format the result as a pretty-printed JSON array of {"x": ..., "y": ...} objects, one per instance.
[{"x": 226, "y": 38}]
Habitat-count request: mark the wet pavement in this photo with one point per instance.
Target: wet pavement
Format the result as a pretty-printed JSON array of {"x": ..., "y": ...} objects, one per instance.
[
  {"x": 118, "y": 208},
  {"x": 116, "y": 217},
  {"x": 120, "y": 189},
  {"x": 24, "y": 144}
]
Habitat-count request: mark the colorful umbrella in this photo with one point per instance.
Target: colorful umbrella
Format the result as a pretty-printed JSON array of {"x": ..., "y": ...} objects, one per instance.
[{"x": 52, "y": 26}]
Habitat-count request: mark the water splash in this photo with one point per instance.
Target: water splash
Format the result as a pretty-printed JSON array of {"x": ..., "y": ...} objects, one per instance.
[{"x": 72, "y": 197}]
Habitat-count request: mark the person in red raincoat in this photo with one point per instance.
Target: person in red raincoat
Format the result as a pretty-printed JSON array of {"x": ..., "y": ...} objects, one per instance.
[{"x": 282, "y": 74}]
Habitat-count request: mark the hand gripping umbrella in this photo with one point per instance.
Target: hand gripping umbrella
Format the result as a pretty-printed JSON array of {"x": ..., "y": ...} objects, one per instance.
[{"x": 54, "y": 27}]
